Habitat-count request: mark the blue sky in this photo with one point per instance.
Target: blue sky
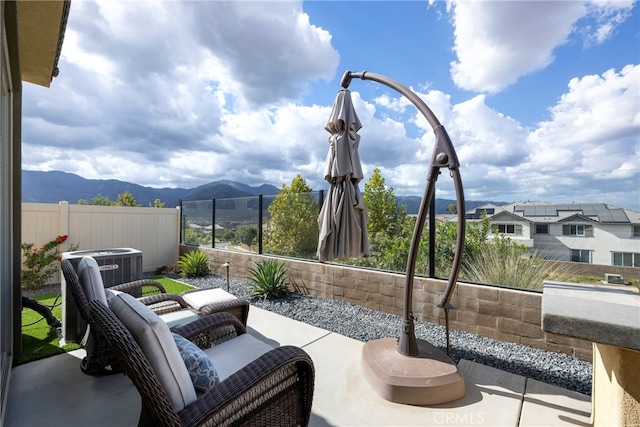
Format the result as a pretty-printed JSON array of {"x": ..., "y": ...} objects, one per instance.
[{"x": 541, "y": 99}]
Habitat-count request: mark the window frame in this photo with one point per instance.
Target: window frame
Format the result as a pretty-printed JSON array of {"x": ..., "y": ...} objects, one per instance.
[
  {"x": 633, "y": 259},
  {"x": 580, "y": 255},
  {"x": 503, "y": 228}
]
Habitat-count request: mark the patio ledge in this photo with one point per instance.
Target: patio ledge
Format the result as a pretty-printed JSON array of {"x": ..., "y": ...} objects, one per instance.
[{"x": 610, "y": 317}]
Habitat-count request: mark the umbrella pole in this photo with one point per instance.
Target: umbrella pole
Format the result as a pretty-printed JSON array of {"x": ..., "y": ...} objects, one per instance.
[{"x": 417, "y": 372}]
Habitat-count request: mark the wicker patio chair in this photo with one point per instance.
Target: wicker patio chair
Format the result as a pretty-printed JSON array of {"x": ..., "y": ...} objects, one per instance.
[
  {"x": 275, "y": 389},
  {"x": 100, "y": 359}
]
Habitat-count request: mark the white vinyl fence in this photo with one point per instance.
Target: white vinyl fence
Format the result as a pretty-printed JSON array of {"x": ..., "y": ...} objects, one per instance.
[{"x": 154, "y": 231}]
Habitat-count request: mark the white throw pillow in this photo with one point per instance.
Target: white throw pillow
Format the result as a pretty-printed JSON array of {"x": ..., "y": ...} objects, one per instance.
[
  {"x": 155, "y": 339},
  {"x": 91, "y": 280}
]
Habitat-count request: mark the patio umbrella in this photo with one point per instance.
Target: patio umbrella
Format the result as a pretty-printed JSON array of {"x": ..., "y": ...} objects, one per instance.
[{"x": 343, "y": 217}]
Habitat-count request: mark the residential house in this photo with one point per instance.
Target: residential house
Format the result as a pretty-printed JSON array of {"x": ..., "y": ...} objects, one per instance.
[
  {"x": 30, "y": 44},
  {"x": 594, "y": 233}
]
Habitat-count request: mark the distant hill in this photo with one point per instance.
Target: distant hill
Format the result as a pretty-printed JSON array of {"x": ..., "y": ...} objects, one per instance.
[
  {"x": 56, "y": 186},
  {"x": 413, "y": 204}
]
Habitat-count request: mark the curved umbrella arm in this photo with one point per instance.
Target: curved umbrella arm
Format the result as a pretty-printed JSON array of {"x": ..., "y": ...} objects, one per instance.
[{"x": 444, "y": 156}]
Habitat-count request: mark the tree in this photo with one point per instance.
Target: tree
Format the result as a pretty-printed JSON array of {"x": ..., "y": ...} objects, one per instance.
[
  {"x": 126, "y": 199},
  {"x": 384, "y": 213},
  {"x": 389, "y": 227},
  {"x": 99, "y": 200},
  {"x": 293, "y": 227},
  {"x": 475, "y": 243},
  {"x": 157, "y": 203},
  {"x": 246, "y": 234}
]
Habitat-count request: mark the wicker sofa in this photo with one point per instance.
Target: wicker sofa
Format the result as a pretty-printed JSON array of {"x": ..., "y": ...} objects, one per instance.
[{"x": 255, "y": 383}]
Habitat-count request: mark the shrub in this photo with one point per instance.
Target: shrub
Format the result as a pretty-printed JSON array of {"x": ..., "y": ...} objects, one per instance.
[
  {"x": 507, "y": 263},
  {"x": 40, "y": 263},
  {"x": 269, "y": 279},
  {"x": 194, "y": 264}
]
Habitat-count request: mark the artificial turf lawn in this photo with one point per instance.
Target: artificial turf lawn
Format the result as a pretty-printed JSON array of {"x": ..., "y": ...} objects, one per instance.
[
  {"x": 171, "y": 286},
  {"x": 39, "y": 340}
]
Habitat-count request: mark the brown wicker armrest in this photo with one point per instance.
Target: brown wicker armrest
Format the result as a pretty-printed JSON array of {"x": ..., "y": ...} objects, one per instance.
[
  {"x": 135, "y": 288},
  {"x": 211, "y": 330},
  {"x": 164, "y": 303},
  {"x": 238, "y": 307},
  {"x": 274, "y": 390}
]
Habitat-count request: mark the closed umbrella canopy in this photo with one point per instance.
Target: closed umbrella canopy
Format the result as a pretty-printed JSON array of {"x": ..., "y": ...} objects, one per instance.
[{"x": 343, "y": 218}]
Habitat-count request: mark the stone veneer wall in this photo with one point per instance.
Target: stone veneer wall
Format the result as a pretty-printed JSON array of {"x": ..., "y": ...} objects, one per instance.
[{"x": 505, "y": 314}]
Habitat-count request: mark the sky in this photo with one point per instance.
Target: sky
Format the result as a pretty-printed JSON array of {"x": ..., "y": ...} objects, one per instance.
[{"x": 541, "y": 99}]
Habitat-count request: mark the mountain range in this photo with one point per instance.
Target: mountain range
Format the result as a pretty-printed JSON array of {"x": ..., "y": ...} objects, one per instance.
[{"x": 56, "y": 186}]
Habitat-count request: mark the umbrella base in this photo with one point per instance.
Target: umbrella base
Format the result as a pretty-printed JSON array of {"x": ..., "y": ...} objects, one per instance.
[{"x": 430, "y": 378}]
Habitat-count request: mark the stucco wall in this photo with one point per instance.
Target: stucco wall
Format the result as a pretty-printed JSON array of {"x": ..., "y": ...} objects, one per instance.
[{"x": 501, "y": 313}]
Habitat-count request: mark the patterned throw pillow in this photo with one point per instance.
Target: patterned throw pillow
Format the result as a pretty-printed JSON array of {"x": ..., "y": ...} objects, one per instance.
[{"x": 201, "y": 370}]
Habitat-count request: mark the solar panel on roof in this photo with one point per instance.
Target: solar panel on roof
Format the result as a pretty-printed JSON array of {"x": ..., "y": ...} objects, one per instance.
[
  {"x": 619, "y": 215},
  {"x": 529, "y": 210},
  {"x": 605, "y": 216},
  {"x": 551, "y": 211}
]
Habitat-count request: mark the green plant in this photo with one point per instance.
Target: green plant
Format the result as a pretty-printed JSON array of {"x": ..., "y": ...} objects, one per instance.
[
  {"x": 269, "y": 279},
  {"x": 247, "y": 235},
  {"x": 40, "y": 263},
  {"x": 292, "y": 229},
  {"x": 194, "y": 264},
  {"x": 507, "y": 263}
]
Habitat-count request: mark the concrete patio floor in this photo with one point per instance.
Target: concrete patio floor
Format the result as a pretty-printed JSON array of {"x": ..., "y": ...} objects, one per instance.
[{"x": 54, "y": 392}]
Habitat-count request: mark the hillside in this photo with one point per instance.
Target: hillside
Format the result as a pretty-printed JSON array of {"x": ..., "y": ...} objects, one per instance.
[{"x": 56, "y": 186}]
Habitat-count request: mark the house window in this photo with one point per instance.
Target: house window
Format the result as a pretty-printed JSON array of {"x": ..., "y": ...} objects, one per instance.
[
  {"x": 581, "y": 255},
  {"x": 580, "y": 230},
  {"x": 514, "y": 229},
  {"x": 636, "y": 231},
  {"x": 626, "y": 259},
  {"x": 542, "y": 228}
]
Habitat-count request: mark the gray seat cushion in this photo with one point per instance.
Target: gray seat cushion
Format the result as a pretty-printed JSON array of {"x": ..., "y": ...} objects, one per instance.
[{"x": 235, "y": 354}]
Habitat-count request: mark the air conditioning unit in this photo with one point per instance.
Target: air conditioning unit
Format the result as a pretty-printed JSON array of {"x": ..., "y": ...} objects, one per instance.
[
  {"x": 613, "y": 279},
  {"x": 117, "y": 265}
]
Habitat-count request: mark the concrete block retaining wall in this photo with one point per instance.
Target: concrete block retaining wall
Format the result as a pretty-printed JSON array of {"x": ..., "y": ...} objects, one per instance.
[{"x": 505, "y": 314}]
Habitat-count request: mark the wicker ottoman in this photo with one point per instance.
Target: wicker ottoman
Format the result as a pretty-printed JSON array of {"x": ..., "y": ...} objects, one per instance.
[{"x": 217, "y": 300}]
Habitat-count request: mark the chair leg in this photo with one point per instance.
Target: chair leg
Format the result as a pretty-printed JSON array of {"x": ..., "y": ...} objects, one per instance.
[{"x": 100, "y": 359}]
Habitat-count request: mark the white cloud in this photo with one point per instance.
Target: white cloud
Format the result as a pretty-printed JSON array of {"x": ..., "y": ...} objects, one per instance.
[{"x": 497, "y": 42}]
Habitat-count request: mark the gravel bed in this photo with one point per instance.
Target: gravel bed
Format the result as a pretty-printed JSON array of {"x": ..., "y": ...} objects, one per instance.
[{"x": 364, "y": 324}]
